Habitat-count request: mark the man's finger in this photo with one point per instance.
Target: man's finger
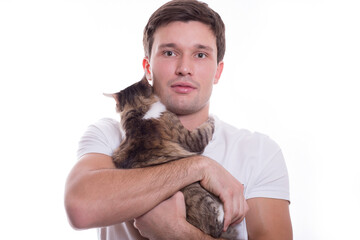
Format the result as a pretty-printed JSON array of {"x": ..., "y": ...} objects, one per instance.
[
  {"x": 227, "y": 216},
  {"x": 244, "y": 209}
]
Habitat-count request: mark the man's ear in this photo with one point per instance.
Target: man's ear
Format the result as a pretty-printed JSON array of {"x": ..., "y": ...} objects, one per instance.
[
  {"x": 147, "y": 68},
  {"x": 219, "y": 70}
]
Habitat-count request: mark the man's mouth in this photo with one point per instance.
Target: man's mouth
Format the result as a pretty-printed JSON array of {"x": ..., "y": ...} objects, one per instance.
[{"x": 183, "y": 87}]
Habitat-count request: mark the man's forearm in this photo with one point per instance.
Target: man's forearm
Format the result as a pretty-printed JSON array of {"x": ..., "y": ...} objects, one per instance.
[{"x": 106, "y": 196}]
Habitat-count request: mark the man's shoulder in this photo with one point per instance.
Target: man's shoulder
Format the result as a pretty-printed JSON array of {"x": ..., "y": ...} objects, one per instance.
[
  {"x": 243, "y": 136},
  {"x": 236, "y": 132},
  {"x": 107, "y": 123},
  {"x": 102, "y": 136},
  {"x": 109, "y": 128}
]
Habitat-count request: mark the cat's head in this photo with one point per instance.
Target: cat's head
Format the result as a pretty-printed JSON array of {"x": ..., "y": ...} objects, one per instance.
[{"x": 136, "y": 96}]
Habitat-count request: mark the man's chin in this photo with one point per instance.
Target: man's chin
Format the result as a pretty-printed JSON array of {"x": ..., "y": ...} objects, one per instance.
[{"x": 181, "y": 110}]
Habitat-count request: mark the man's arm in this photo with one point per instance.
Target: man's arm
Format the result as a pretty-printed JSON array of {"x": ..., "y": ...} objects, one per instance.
[
  {"x": 268, "y": 219},
  {"x": 97, "y": 194}
]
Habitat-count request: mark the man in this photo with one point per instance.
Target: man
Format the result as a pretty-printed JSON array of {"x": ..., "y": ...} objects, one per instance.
[{"x": 184, "y": 44}]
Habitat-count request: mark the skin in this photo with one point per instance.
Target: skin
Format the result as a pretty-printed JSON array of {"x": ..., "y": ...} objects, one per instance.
[
  {"x": 183, "y": 69},
  {"x": 268, "y": 219},
  {"x": 181, "y": 55}
]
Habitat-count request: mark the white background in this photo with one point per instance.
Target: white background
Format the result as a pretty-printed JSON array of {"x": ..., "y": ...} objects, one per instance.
[{"x": 291, "y": 72}]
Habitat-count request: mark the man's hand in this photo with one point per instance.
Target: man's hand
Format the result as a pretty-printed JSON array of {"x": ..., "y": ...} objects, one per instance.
[
  {"x": 230, "y": 191},
  {"x": 165, "y": 221},
  {"x": 168, "y": 221}
]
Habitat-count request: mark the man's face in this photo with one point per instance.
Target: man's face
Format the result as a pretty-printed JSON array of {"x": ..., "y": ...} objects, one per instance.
[{"x": 183, "y": 66}]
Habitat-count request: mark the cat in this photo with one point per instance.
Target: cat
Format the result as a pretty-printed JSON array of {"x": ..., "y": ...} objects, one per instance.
[{"x": 154, "y": 135}]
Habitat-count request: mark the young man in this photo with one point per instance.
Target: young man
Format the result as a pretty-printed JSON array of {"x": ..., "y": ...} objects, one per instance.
[{"x": 184, "y": 44}]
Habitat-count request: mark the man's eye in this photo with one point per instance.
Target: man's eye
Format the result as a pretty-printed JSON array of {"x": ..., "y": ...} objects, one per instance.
[
  {"x": 169, "y": 53},
  {"x": 201, "y": 55}
]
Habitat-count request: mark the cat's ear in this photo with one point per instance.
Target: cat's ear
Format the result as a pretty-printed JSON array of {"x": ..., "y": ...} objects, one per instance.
[
  {"x": 111, "y": 95},
  {"x": 116, "y": 97}
]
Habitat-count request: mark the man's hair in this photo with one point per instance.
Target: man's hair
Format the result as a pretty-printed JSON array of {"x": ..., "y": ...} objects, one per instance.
[{"x": 184, "y": 11}]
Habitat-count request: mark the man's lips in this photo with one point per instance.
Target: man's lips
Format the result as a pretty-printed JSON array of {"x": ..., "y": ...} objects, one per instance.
[{"x": 182, "y": 87}]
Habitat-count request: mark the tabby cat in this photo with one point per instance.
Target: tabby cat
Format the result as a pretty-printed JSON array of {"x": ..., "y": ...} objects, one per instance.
[{"x": 154, "y": 136}]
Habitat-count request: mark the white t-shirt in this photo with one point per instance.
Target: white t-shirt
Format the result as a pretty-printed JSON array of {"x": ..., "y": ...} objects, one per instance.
[{"x": 253, "y": 158}]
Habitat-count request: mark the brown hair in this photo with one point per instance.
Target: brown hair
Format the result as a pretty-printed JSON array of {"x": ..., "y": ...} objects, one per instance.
[{"x": 184, "y": 11}]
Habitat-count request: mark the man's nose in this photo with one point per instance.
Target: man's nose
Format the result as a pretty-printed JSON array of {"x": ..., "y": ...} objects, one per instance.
[{"x": 184, "y": 66}]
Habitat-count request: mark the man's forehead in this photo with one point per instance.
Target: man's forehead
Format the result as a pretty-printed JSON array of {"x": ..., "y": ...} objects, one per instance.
[{"x": 190, "y": 34}]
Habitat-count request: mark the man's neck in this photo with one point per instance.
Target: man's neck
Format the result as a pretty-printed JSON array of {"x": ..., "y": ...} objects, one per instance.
[{"x": 194, "y": 120}]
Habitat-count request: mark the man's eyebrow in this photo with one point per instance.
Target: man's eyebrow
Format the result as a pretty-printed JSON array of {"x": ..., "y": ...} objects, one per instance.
[
  {"x": 167, "y": 45},
  {"x": 207, "y": 48},
  {"x": 196, "y": 46}
]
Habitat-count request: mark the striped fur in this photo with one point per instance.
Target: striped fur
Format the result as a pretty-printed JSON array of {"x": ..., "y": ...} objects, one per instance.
[{"x": 155, "y": 140}]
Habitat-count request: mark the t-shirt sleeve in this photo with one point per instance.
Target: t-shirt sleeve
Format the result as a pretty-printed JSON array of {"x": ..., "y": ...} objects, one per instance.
[
  {"x": 271, "y": 178},
  {"x": 102, "y": 137}
]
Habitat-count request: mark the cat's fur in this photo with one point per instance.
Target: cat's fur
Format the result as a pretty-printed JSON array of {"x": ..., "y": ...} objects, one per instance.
[{"x": 155, "y": 140}]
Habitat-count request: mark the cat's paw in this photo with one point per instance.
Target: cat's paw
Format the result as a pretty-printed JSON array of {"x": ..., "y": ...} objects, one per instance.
[{"x": 220, "y": 214}]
